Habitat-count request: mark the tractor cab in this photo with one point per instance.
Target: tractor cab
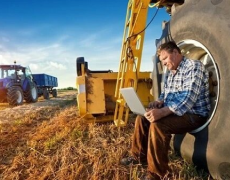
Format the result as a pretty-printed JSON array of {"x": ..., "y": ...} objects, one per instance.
[{"x": 11, "y": 72}]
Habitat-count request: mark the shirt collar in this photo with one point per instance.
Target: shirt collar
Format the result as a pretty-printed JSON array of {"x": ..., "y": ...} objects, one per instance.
[{"x": 180, "y": 65}]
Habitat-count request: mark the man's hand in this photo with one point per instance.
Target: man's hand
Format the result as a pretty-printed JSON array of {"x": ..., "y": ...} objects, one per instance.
[
  {"x": 156, "y": 104},
  {"x": 152, "y": 115}
]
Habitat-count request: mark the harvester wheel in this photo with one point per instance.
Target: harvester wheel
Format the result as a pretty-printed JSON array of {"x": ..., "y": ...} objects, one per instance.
[
  {"x": 31, "y": 95},
  {"x": 201, "y": 29},
  {"x": 15, "y": 96},
  {"x": 54, "y": 92},
  {"x": 46, "y": 93}
]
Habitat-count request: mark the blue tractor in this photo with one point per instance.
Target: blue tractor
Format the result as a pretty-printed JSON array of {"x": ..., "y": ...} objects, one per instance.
[{"x": 17, "y": 85}]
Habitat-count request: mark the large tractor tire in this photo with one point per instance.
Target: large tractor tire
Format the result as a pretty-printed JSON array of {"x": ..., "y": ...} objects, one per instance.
[
  {"x": 202, "y": 30},
  {"x": 31, "y": 94},
  {"x": 15, "y": 96}
]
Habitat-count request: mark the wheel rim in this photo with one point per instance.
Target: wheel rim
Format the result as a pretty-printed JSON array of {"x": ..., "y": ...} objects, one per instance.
[
  {"x": 34, "y": 92},
  {"x": 195, "y": 50},
  {"x": 19, "y": 95}
]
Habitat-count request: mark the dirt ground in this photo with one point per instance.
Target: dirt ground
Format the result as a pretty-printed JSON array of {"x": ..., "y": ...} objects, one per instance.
[{"x": 8, "y": 113}]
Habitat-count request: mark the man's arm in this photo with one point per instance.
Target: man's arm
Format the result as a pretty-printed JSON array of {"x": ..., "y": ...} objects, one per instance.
[{"x": 156, "y": 104}]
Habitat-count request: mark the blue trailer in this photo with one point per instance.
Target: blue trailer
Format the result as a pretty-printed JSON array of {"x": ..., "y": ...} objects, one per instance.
[{"x": 45, "y": 84}]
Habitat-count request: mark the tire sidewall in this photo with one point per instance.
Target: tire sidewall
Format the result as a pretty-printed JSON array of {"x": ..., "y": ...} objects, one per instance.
[
  {"x": 45, "y": 93},
  {"x": 12, "y": 97},
  {"x": 54, "y": 92},
  {"x": 209, "y": 24},
  {"x": 207, "y": 33},
  {"x": 31, "y": 93},
  {"x": 34, "y": 93}
]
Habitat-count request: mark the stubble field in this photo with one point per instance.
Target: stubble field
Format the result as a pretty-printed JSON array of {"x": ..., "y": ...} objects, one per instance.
[{"x": 48, "y": 140}]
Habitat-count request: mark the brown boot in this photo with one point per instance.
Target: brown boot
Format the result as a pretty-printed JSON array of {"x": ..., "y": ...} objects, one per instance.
[{"x": 130, "y": 160}]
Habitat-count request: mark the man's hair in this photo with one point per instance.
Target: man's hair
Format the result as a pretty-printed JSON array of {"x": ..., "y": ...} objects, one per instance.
[{"x": 169, "y": 47}]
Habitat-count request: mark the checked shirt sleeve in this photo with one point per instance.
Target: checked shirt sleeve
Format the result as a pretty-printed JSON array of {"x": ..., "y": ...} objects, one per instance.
[
  {"x": 184, "y": 99},
  {"x": 161, "y": 97}
]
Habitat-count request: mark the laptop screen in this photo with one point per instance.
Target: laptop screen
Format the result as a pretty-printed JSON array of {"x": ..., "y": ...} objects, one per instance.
[{"x": 132, "y": 100}]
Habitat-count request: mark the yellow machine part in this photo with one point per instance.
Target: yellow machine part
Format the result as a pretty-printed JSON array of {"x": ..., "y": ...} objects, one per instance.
[
  {"x": 95, "y": 98},
  {"x": 129, "y": 73},
  {"x": 99, "y": 97}
]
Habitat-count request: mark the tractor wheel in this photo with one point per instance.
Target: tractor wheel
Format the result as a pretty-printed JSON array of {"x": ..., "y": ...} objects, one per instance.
[
  {"x": 201, "y": 29},
  {"x": 15, "y": 96},
  {"x": 54, "y": 92},
  {"x": 31, "y": 95},
  {"x": 46, "y": 93}
]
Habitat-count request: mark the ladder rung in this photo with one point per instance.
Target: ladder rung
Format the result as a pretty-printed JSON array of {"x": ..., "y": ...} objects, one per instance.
[
  {"x": 120, "y": 101},
  {"x": 119, "y": 123}
]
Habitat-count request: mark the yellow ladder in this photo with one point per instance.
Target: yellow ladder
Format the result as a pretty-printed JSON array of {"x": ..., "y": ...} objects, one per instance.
[{"x": 130, "y": 61}]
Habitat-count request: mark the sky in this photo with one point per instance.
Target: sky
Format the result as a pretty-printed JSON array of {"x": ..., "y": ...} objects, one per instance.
[{"x": 48, "y": 35}]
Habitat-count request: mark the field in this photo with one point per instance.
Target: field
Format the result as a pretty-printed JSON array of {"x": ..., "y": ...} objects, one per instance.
[{"x": 48, "y": 140}]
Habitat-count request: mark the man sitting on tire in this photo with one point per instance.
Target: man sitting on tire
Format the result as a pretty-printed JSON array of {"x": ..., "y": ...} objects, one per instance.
[{"x": 182, "y": 107}]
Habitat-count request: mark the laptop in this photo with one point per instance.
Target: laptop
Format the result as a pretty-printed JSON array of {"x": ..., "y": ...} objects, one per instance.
[{"x": 132, "y": 100}]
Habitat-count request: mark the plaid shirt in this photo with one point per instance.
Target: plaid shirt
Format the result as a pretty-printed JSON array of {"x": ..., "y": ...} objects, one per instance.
[{"x": 187, "y": 91}]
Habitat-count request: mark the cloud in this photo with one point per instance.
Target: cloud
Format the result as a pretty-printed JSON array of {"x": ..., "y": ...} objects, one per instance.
[
  {"x": 89, "y": 41},
  {"x": 34, "y": 66},
  {"x": 2, "y": 59},
  {"x": 57, "y": 54},
  {"x": 45, "y": 58},
  {"x": 56, "y": 65}
]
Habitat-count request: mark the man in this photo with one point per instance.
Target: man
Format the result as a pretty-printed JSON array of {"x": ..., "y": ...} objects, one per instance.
[{"x": 182, "y": 107}]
